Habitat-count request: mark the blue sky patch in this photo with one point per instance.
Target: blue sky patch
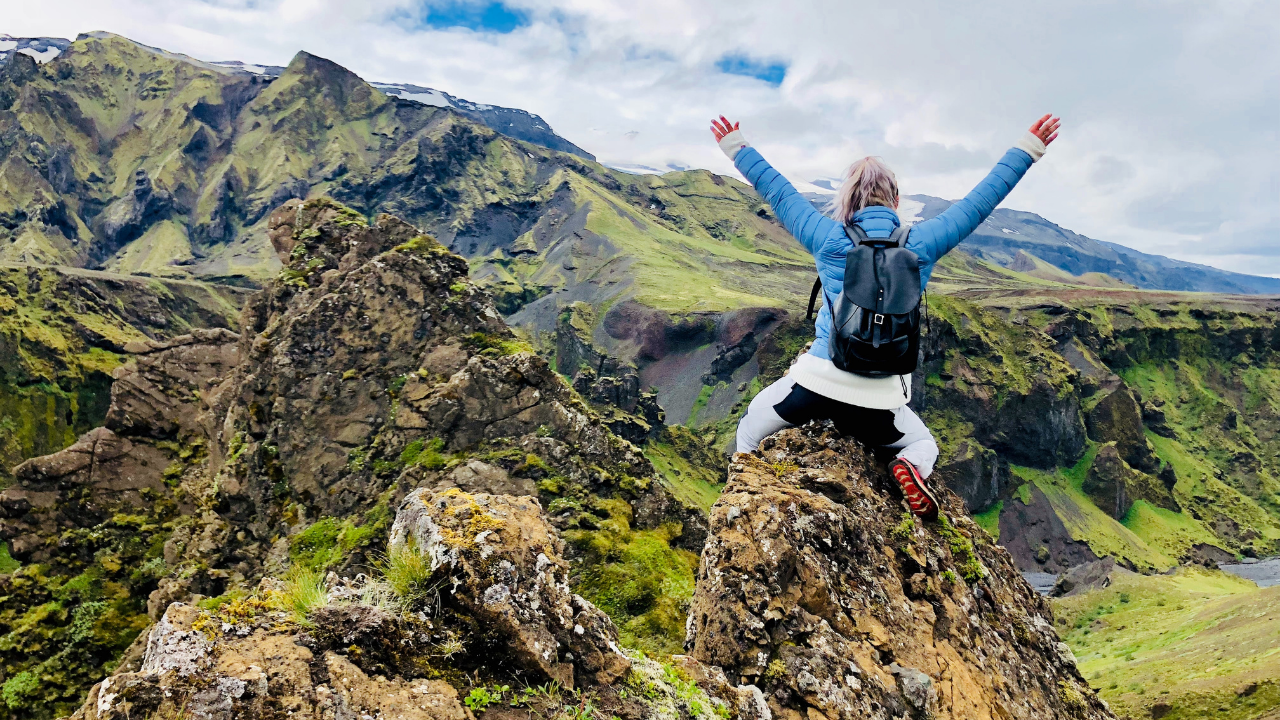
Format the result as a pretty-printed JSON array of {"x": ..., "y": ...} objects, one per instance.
[
  {"x": 479, "y": 16},
  {"x": 770, "y": 72}
]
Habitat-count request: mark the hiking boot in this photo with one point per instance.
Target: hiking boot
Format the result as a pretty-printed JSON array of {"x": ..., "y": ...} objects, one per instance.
[{"x": 921, "y": 499}]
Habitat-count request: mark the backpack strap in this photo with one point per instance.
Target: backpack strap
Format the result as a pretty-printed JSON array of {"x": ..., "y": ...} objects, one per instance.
[
  {"x": 897, "y": 238},
  {"x": 813, "y": 298},
  {"x": 856, "y": 233}
]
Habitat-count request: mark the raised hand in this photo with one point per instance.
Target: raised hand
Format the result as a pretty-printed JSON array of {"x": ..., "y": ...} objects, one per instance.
[
  {"x": 1046, "y": 128},
  {"x": 723, "y": 127}
]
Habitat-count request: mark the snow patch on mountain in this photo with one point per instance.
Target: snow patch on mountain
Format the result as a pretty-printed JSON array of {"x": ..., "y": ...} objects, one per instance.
[{"x": 42, "y": 49}]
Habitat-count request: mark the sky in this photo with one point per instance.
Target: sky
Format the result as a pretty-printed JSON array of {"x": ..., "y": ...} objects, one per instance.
[{"x": 1170, "y": 108}]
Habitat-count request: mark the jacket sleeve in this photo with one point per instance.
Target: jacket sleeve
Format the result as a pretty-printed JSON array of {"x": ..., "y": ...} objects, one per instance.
[
  {"x": 798, "y": 215},
  {"x": 937, "y": 236}
]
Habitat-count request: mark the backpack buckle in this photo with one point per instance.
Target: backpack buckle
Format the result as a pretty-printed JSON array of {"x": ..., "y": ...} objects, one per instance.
[{"x": 878, "y": 319}]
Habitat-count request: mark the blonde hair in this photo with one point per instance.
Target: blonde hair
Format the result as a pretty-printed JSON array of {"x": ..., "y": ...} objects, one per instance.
[{"x": 868, "y": 182}]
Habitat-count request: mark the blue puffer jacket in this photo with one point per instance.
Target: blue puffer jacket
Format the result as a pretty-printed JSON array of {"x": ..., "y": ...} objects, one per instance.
[{"x": 826, "y": 239}]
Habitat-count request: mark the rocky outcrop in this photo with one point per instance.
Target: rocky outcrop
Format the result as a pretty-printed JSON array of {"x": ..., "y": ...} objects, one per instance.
[
  {"x": 118, "y": 469},
  {"x": 504, "y": 567},
  {"x": 1021, "y": 398},
  {"x": 1035, "y": 536},
  {"x": 977, "y": 474},
  {"x": 1114, "y": 485},
  {"x": 817, "y": 587},
  {"x": 151, "y": 397},
  {"x": 370, "y": 368},
  {"x": 1117, "y": 418},
  {"x": 609, "y": 384}
]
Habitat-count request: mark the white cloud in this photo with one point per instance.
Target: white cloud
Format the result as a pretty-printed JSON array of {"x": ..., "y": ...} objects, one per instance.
[{"x": 1169, "y": 143}]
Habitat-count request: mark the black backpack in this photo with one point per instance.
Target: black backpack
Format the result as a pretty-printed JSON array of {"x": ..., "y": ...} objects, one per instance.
[{"x": 875, "y": 322}]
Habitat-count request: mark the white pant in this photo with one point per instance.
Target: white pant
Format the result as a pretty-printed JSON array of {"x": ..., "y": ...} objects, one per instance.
[{"x": 916, "y": 445}]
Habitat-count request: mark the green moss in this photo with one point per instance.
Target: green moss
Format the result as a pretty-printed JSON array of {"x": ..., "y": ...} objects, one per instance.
[
  {"x": 637, "y": 577},
  {"x": 693, "y": 482},
  {"x": 962, "y": 553},
  {"x": 989, "y": 520},
  {"x": 425, "y": 454},
  {"x": 1023, "y": 493},
  {"x": 67, "y": 622},
  {"x": 329, "y": 541},
  {"x": 700, "y": 403},
  {"x": 496, "y": 346}
]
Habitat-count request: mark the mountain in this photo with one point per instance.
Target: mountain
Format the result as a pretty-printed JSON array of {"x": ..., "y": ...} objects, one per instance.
[
  {"x": 1017, "y": 239},
  {"x": 512, "y": 122},
  {"x": 1007, "y": 233}
]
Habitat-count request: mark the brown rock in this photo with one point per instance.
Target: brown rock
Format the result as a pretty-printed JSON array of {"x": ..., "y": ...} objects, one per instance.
[
  {"x": 504, "y": 567},
  {"x": 102, "y": 474},
  {"x": 264, "y": 669},
  {"x": 809, "y": 588}
]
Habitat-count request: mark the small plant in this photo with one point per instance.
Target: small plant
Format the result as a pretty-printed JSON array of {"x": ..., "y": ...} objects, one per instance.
[
  {"x": 408, "y": 572},
  {"x": 584, "y": 710},
  {"x": 776, "y": 670},
  {"x": 303, "y": 593},
  {"x": 480, "y": 699},
  {"x": 950, "y": 577},
  {"x": 903, "y": 531}
]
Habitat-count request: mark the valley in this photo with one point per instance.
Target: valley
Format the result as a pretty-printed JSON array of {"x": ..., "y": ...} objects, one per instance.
[{"x": 1090, "y": 402}]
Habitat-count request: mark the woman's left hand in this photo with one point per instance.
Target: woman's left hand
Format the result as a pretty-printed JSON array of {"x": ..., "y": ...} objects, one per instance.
[
  {"x": 722, "y": 127},
  {"x": 1046, "y": 128}
]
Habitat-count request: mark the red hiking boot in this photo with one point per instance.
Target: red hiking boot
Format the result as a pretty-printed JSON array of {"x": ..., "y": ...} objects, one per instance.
[{"x": 921, "y": 499}]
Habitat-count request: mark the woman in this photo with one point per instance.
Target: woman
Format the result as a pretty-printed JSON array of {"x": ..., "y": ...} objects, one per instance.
[{"x": 873, "y": 410}]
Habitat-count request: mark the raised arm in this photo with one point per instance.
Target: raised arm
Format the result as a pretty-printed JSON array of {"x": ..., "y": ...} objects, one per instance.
[
  {"x": 939, "y": 235},
  {"x": 798, "y": 215}
]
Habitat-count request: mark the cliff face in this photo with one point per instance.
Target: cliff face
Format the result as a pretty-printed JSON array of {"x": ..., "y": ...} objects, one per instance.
[
  {"x": 62, "y": 334},
  {"x": 817, "y": 586}
]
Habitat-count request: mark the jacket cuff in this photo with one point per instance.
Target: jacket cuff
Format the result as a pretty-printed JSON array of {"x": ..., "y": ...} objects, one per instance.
[
  {"x": 732, "y": 143},
  {"x": 1030, "y": 144}
]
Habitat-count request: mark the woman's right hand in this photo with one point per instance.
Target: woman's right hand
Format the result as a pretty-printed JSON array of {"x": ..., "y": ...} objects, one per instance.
[
  {"x": 1046, "y": 128},
  {"x": 722, "y": 127}
]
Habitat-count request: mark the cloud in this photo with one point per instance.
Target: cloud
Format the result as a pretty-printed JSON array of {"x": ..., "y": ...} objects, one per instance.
[{"x": 1169, "y": 108}]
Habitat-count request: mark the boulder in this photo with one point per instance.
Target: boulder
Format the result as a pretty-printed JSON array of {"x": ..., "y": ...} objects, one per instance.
[
  {"x": 502, "y": 564},
  {"x": 200, "y": 666},
  {"x": 1085, "y": 578},
  {"x": 819, "y": 588}
]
